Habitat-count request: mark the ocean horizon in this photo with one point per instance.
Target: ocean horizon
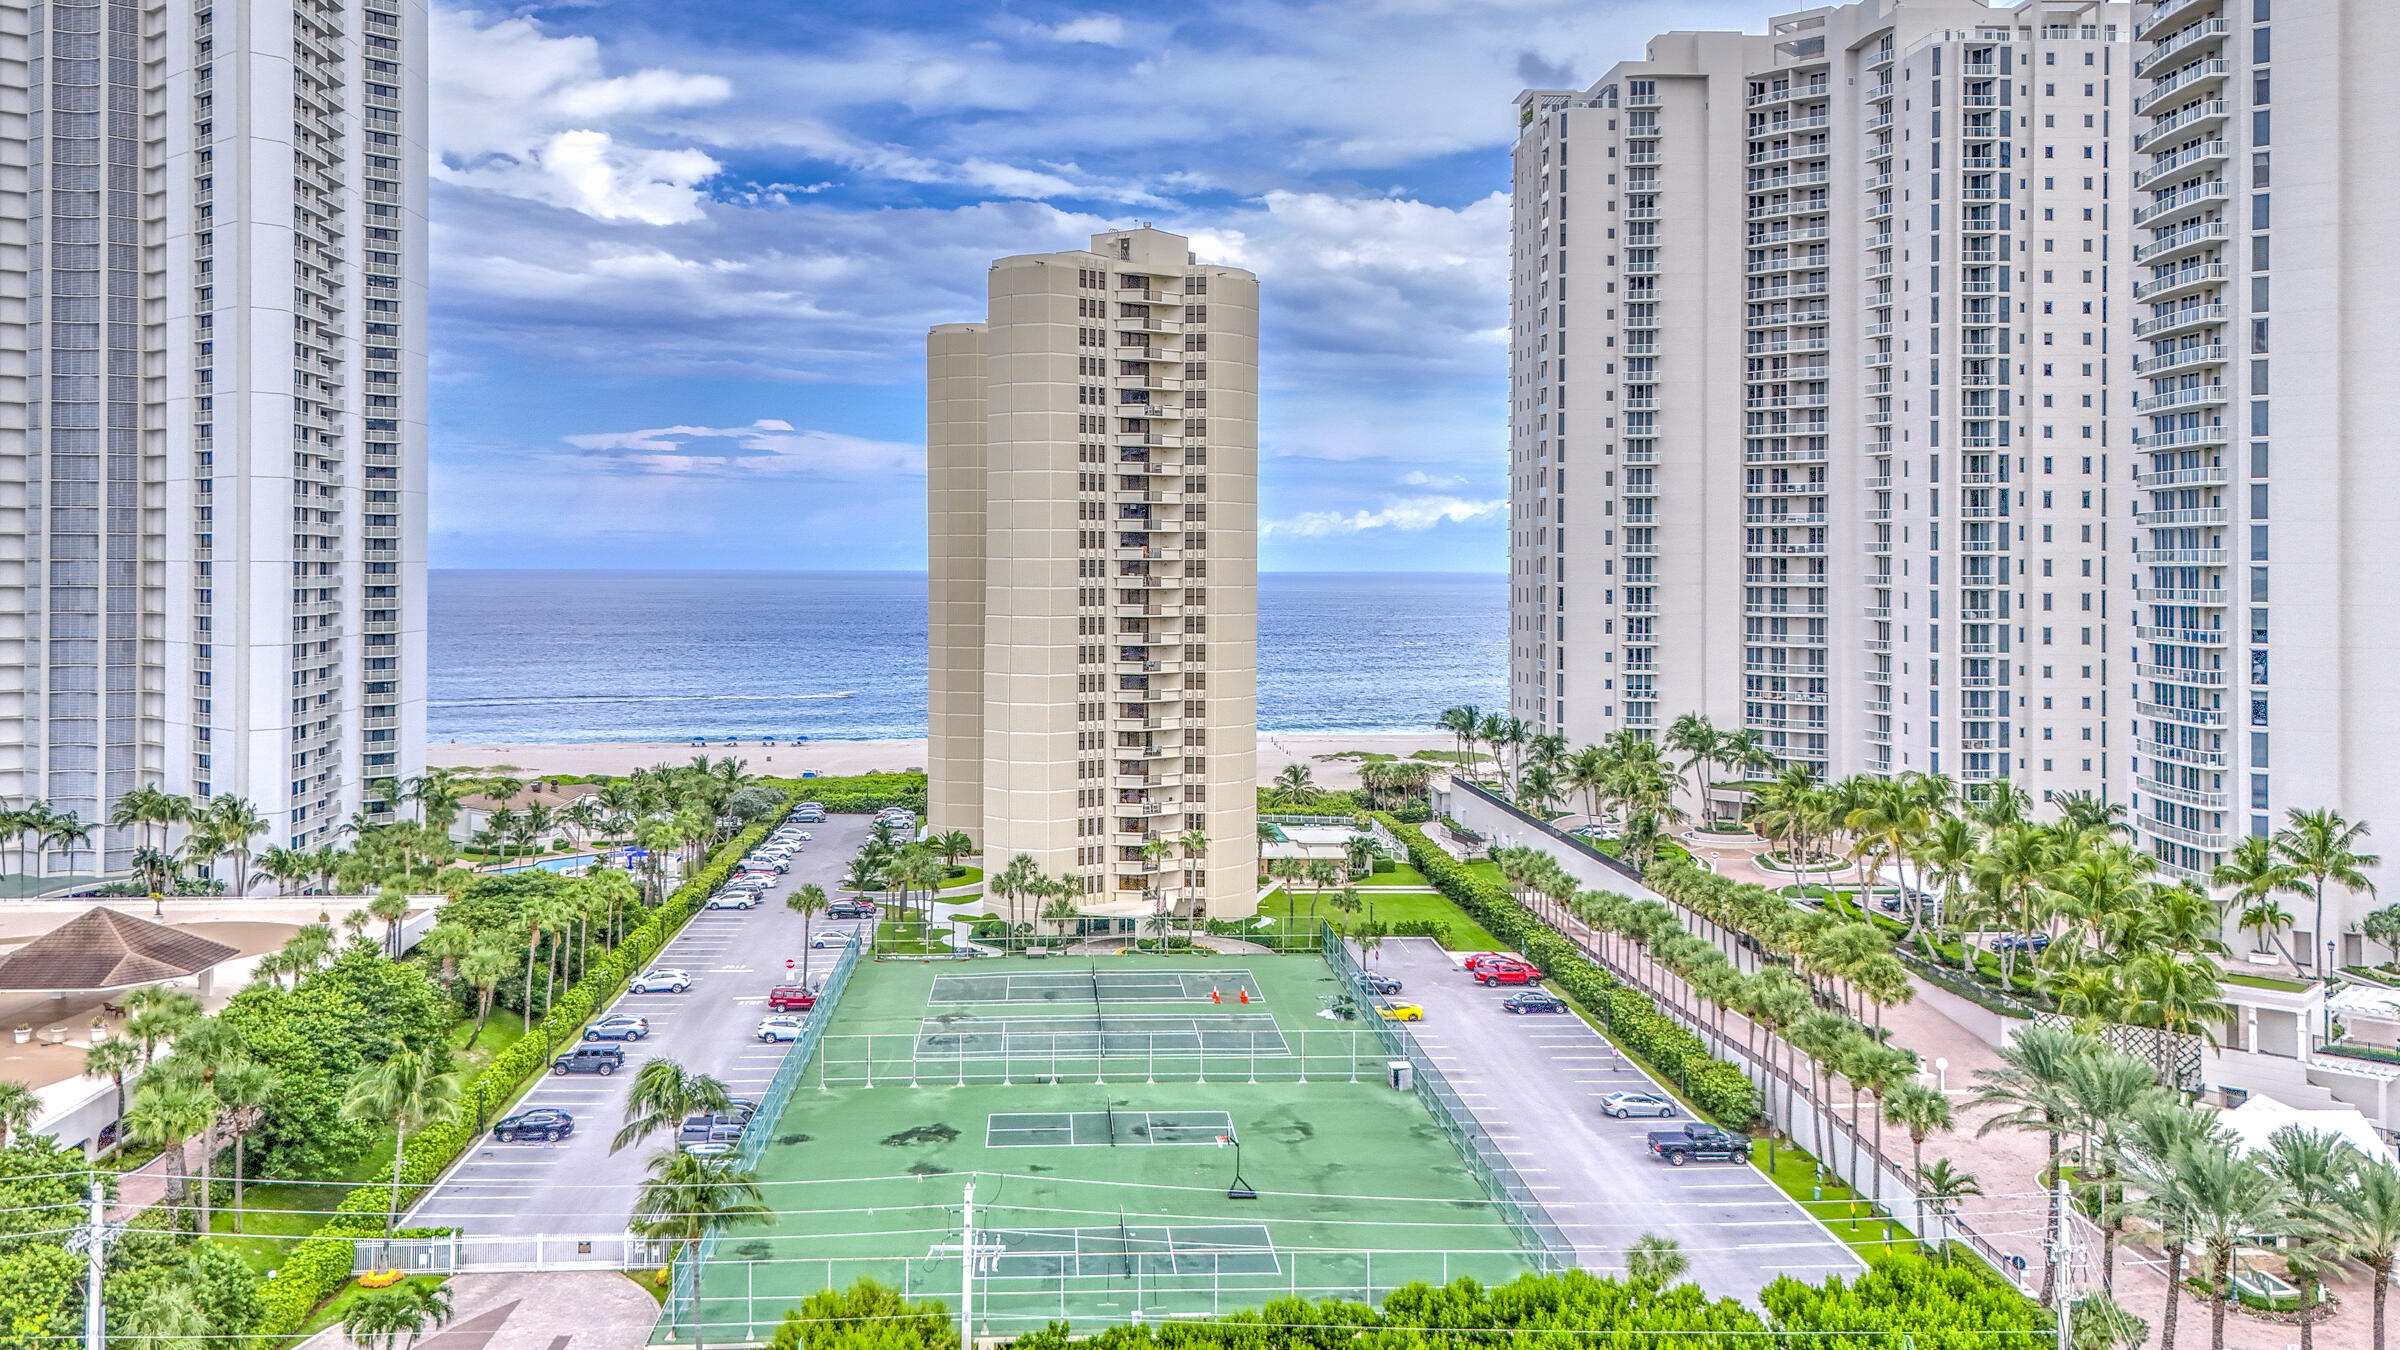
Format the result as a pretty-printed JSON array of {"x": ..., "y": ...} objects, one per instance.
[{"x": 547, "y": 657}]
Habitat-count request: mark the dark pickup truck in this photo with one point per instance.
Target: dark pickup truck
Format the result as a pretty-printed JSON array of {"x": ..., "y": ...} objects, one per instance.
[{"x": 1696, "y": 1140}]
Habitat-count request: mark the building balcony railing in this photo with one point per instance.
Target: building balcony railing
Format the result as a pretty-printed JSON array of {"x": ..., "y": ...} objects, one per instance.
[
  {"x": 2165, "y": 16},
  {"x": 2176, "y": 205},
  {"x": 2187, "y": 436},
  {"x": 2188, "y": 637},
  {"x": 2207, "y": 354},
  {"x": 2189, "y": 316},
  {"x": 2180, "y": 754},
  {"x": 2190, "y": 717},
  {"x": 2189, "y": 515},
  {"x": 2189, "y": 238},
  {"x": 2178, "y": 46},
  {"x": 2212, "y": 597},
  {"x": 2184, "y": 557},
  {"x": 2181, "y": 124},
  {"x": 2180, "y": 279},
  {"x": 2186, "y": 160},
  {"x": 2206, "y": 475},
  {"x": 2203, "y": 798},
  {"x": 2181, "y": 84},
  {"x": 2179, "y": 675},
  {"x": 2196, "y": 396}
]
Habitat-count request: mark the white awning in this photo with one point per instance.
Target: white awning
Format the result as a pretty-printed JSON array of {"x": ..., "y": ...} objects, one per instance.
[{"x": 2255, "y": 1122}]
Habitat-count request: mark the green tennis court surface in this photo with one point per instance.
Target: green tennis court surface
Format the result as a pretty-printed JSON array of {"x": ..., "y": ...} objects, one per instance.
[
  {"x": 1096, "y": 984},
  {"x": 1122, "y": 1034},
  {"x": 1077, "y": 1129},
  {"x": 1079, "y": 1211}
]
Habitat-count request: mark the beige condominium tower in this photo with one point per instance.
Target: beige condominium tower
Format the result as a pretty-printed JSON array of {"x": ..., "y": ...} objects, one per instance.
[{"x": 1092, "y": 467}]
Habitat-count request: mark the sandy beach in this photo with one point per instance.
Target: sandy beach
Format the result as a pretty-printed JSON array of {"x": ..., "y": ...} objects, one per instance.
[{"x": 831, "y": 758}]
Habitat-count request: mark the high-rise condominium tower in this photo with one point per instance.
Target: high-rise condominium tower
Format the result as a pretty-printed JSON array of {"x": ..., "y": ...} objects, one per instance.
[
  {"x": 1811, "y": 423},
  {"x": 2265, "y": 669},
  {"x": 212, "y": 407},
  {"x": 1092, "y": 457}
]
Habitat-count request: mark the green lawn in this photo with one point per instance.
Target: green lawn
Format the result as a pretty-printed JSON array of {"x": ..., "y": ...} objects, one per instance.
[
  {"x": 962, "y": 875},
  {"x": 2264, "y": 982},
  {"x": 330, "y": 1315},
  {"x": 1401, "y": 875},
  {"x": 1839, "y": 1208},
  {"x": 1465, "y": 933}
]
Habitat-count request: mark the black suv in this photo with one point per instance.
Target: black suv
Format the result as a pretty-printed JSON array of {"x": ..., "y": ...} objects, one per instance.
[
  {"x": 847, "y": 909},
  {"x": 542, "y": 1122},
  {"x": 1379, "y": 983},
  {"x": 600, "y": 1059}
]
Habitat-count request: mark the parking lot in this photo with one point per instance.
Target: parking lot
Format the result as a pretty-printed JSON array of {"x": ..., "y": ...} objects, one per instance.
[
  {"x": 1535, "y": 1084},
  {"x": 734, "y": 956}
]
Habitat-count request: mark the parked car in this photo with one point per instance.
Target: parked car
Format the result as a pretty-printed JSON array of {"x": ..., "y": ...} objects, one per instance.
[
  {"x": 600, "y": 1059},
  {"x": 1403, "y": 1012},
  {"x": 660, "y": 981},
  {"x": 1697, "y": 1140},
  {"x": 835, "y": 937},
  {"x": 1476, "y": 961},
  {"x": 733, "y": 900},
  {"x": 713, "y": 1141},
  {"x": 1506, "y": 972},
  {"x": 2022, "y": 942},
  {"x": 779, "y": 1028},
  {"x": 850, "y": 909},
  {"x": 1533, "y": 1001},
  {"x": 758, "y": 864},
  {"x": 1378, "y": 982},
  {"x": 542, "y": 1123},
  {"x": 619, "y": 1028},
  {"x": 791, "y": 998},
  {"x": 1625, "y": 1104}
]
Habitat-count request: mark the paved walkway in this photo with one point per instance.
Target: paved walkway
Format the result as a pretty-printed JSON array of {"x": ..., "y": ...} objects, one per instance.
[{"x": 562, "y": 1310}]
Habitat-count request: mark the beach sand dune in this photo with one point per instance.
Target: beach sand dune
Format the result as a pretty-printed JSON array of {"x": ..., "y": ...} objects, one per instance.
[{"x": 835, "y": 758}]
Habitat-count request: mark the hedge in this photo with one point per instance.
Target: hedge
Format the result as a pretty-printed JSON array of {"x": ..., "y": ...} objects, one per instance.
[
  {"x": 319, "y": 1266},
  {"x": 1716, "y": 1088}
]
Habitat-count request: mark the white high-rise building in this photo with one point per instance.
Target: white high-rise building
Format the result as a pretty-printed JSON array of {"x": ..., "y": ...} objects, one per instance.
[
  {"x": 1828, "y": 370},
  {"x": 1092, "y": 466},
  {"x": 212, "y": 408},
  {"x": 2265, "y": 672}
]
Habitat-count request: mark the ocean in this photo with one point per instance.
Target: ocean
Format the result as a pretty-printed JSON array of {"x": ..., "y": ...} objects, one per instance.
[{"x": 531, "y": 657}]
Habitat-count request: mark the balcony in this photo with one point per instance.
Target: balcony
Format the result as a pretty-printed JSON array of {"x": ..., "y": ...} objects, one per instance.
[
  {"x": 2213, "y": 759},
  {"x": 2167, "y": 14},
  {"x": 2206, "y": 475},
  {"x": 2181, "y": 44},
  {"x": 2197, "y": 396},
  {"x": 2207, "y": 841},
  {"x": 2188, "y": 637},
  {"x": 2181, "y": 557},
  {"x": 2179, "y": 675},
  {"x": 2189, "y": 120},
  {"x": 2214, "y": 598},
  {"x": 2189, "y": 316},
  {"x": 2181, "y": 84},
  {"x": 2187, "y": 239},
  {"x": 2190, "y": 717},
  {"x": 2175, "y": 206},
  {"x": 2179, "y": 280},
  {"x": 2194, "y": 515},
  {"x": 2188, "y": 436},
  {"x": 1151, "y": 324},
  {"x": 2207, "y": 355},
  {"x": 2181, "y": 162}
]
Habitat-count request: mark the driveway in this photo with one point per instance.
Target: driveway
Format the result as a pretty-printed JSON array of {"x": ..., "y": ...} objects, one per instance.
[
  {"x": 1535, "y": 1084},
  {"x": 573, "y": 1310},
  {"x": 576, "y": 1186}
]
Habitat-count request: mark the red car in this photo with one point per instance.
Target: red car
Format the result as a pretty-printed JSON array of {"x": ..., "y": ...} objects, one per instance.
[
  {"x": 1478, "y": 960},
  {"x": 791, "y": 998},
  {"x": 1506, "y": 972}
]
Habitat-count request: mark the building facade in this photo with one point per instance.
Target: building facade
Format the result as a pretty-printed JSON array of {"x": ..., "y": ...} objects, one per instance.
[
  {"x": 212, "y": 409},
  {"x": 2263, "y": 672},
  {"x": 1840, "y": 382},
  {"x": 1092, "y": 466}
]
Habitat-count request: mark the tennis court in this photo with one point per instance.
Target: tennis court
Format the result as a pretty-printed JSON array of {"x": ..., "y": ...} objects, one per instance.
[
  {"x": 1097, "y": 985},
  {"x": 1356, "y": 1189},
  {"x": 1100, "y": 1034},
  {"x": 1083, "y": 1129}
]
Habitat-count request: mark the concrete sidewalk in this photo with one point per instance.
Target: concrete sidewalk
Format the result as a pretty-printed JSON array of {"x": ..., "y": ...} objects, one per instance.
[{"x": 560, "y": 1310}]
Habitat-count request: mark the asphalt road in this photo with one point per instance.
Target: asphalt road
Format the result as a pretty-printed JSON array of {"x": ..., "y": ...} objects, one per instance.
[
  {"x": 1535, "y": 1082},
  {"x": 576, "y": 1186}
]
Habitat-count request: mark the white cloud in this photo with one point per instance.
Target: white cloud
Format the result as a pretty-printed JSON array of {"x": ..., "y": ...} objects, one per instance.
[
  {"x": 1413, "y": 513},
  {"x": 1105, "y": 30},
  {"x": 767, "y": 446},
  {"x": 520, "y": 112}
]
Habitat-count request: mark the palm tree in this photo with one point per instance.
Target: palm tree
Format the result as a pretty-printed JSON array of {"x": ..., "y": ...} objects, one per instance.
[
  {"x": 376, "y": 1319},
  {"x": 952, "y": 845},
  {"x": 159, "y": 1013},
  {"x": 1194, "y": 843},
  {"x": 808, "y": 902},
  {"x": 236, "y": 822},
  {"x": 1463, "y": 723},
  {"x": 1322, "y": 872},
  {"x": 1062, "y": 910},
  {"x": 167, "y": 1110},
  {"x": 2031, "y": 1084},
  {"x": 2106, "y": 1092},
  {"x": 1538, "y": 789},
  {"x": 19, "y": 1106},
  {"x": 484, "y": 966},
  {"x": 1699, "y": 742},
  {"x": 1921, "y": 1111},
  {"x": 412, "y": 1089},
  {"x": 2252, "y": 870},
  {"x": 2315, "y": 1167},
  {"x": 1587, "y": 772},
  {"x": 688, "y": 1196},
  {"x": 391, "y": 906},
  {"x": 1295, "y": 786},
  {"x": 2321, "y": 848},
  {"x": 112, "y": 1059},
  {"x": 1654, "y": 1262},
  {"x": 664, "y": 1093},
  {"x": 66, "y": 834},
  {"x": 162, "y": 1316},
  {"x": 2228, "y": 1197},
  {"x": 2265, "y": 917},
  {"x": 1942, "y": 1187},
  {"x": 2175, "y": 993},
  {"x": 244, "y": 1090},
  {"x": 2365, "y": 1226}
]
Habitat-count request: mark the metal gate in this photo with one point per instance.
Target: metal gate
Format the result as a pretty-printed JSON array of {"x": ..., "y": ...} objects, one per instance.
[{"x": 465, "y": 1255}]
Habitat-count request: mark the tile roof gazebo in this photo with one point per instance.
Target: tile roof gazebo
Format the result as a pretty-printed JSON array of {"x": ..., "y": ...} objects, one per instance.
[{"x": 105, "y": 949}]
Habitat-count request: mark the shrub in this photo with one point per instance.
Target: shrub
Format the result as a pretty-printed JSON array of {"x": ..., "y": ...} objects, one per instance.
[
  {"x": 314, "y": 1269},
  {"x": 1718, "y": 1089}
]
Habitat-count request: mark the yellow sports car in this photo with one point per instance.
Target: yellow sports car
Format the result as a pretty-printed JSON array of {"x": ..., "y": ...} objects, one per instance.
[{"x": 1403, "y": 1012}]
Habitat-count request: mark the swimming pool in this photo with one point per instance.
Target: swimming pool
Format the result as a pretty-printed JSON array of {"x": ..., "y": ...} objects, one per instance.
[{"x": 550, "y": 864}]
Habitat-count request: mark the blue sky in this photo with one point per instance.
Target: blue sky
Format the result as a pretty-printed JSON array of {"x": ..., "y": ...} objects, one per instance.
[{"x": 685, "y": 252}]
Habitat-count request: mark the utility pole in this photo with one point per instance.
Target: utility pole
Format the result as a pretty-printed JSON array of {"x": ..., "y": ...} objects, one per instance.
[
  {"x": 966, "y": 1267},
  {"x": 2062, "y": 1254},
  {"x": 92, "y": 1238}
]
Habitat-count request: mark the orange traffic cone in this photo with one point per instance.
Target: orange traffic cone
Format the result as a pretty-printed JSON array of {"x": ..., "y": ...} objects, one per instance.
[
  {"x": 1215, "y": 997},
  {"x": 1245, "y": 996}
]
